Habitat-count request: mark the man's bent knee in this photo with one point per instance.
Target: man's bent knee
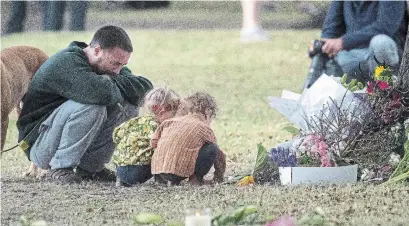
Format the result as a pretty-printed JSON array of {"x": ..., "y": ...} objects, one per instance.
[
  {"x": 385, "y": 50},
  {"x": 382, "y": 41},
  {"x": 57, "y": 131},
  {"x": 89, "y": 108}
]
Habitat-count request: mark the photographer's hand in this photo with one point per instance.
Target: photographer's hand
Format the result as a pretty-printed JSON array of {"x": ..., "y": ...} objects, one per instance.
[
  {"x": 310, "y": 48},
  {"x": 332, "y": 46}
]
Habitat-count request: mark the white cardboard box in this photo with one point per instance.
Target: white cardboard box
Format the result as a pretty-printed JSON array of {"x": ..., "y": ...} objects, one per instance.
[{"x": 318, "y": 175}]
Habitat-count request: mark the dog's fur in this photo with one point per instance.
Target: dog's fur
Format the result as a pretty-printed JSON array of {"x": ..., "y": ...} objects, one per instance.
[{"x": 18, "y": 65}]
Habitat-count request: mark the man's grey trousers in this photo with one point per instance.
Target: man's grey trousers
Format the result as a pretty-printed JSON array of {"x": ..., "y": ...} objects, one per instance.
[{"x": 79, "y": 135}]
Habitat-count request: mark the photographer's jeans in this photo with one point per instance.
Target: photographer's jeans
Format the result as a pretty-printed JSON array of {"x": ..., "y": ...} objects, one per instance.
[
  {"x": 381, "y": 46},
  {"x": 79, "y": 135}
]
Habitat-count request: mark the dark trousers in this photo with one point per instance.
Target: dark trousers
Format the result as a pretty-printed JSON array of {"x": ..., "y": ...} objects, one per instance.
[
  {"x": 136, "y": 174},
  {"x": 204, "y": 162},
  {"x": 54, "y": 15},
  {"x": 17, "y": 17}
]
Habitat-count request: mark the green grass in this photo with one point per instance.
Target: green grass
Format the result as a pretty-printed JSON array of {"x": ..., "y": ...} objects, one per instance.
[{"x": 241, "y": 77}]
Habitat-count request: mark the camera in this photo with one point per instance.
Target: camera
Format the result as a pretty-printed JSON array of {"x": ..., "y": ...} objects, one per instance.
[
  {"x": 318, "y": 61},
  {"x": 316, "y": 48}
]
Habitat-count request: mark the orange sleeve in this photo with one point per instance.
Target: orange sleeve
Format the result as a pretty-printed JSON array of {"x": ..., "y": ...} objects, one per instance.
[
  {"x": 208, "y": 135},
  {"x": 219, "y": 166}
]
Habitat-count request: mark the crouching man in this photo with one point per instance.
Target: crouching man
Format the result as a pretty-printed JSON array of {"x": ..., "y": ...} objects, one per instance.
[{"x": 75, "y": 100}]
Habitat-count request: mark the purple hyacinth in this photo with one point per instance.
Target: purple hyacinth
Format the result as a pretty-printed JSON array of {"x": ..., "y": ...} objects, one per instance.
[{"x": 282, "y": 157}]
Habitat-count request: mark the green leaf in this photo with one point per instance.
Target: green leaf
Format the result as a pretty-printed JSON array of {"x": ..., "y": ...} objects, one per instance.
[
  {"x": 262, "y": 157},
  {"x": 175, "y": 224},
  {"x": 344, "y": 79},
  {"x": 250, "y": 209},
  {"x": 234, "y": 217},
  {"x": 353, "y": 82},
  {"x": 148, "y": 218},
  {"x": 238, "y": 214},
  {"x": 402, "y": 170},
  {"x": 360, "y": 85},
  {"x": 39, "y": 223},
  {"x": 265, "y": 170},
  {"x": 293, "y": 130},
  {"x": 242, "y": 212}
]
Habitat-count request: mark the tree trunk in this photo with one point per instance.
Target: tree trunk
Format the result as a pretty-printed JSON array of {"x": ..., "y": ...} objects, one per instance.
[{"x": 404, "y": 67}]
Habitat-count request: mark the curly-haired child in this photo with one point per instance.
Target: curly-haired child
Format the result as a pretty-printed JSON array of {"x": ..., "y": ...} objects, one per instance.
[
  {"x": 185, "y": 146},
  {"x": 133, "y": 153}
]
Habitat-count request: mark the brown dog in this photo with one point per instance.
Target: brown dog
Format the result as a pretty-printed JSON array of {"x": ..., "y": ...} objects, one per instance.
[{"x": 18, "y": 65}]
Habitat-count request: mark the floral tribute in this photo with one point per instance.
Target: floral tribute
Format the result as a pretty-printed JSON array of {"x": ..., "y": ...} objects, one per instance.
[{"x": 369, "y": 132}]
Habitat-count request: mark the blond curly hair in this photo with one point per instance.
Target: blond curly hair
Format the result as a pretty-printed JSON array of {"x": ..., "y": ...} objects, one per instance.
[
  {"x": 199, "y": 102},
  {"x": 162, "y": 97}
]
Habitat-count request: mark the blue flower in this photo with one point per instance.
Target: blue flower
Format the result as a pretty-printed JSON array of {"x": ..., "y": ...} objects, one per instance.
[{"x": 282, "y": 157}]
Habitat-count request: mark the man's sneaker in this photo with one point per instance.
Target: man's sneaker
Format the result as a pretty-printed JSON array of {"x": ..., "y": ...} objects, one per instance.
[
  {"x": 63, "y": 176},
  {"x": 256, "y": 34},
  {"x": 103, "y": 175}
]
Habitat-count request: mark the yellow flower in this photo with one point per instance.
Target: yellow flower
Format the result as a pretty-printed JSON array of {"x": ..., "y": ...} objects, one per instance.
[
  {"x": 378, "y": 71},
  {"x": 247, "y": 180},
  {"x": 146, "y": 128}
]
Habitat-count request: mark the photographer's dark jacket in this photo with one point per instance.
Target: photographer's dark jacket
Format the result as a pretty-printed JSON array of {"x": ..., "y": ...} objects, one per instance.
[
  {"x": 359, "y": 21},
  {"x": 68, "y": 75}
]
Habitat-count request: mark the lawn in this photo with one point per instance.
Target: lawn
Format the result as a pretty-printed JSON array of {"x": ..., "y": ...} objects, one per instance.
[{"x": 240, "y": 77}]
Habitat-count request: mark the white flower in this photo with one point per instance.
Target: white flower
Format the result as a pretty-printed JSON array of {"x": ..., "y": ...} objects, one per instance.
[
  {"x": 394, "y": 159},
  {"x": 366, "y": 174},
  {"x": 342, "y": 145},
  {"x": 394, "y": 79}
]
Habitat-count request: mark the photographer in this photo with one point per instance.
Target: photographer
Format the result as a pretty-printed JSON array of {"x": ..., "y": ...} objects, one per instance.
[{"x": 355, "y": 32}]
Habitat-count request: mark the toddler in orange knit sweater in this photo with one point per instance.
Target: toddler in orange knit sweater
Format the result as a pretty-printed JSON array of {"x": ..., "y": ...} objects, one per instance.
[{"x": 185, "y": 146}]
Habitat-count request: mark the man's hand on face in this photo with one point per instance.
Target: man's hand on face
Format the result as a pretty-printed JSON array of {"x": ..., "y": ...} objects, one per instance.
[{"x": 332, "y": 46}]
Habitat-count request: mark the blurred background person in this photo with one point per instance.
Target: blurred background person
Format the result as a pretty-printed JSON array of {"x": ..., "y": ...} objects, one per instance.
[
  {"x": 18, "y": 15},
  {"x": 54, "y": 15},
  {"x": 251, "y": 30}
]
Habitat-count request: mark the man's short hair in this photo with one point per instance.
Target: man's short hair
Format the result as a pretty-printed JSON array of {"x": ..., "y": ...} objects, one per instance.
[{"x": 109, "y": 37}]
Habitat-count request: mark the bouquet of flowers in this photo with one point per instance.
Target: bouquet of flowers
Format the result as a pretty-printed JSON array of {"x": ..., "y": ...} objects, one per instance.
[
  {"x": 364, "y": 125},
  {"x": 372, "y": 138}
]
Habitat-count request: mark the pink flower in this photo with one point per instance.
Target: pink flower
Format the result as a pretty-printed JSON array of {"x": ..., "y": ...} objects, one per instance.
[
  {"x": 282, "y": 221},
  {"x": 325, "y": 162},
  {"x": 369, "y": 88},
  {"x": 383, "y": 85},
  {"x": 318, "y": 149},
  {"x": 322, "y": 146},
  {"x": 389, "y": 113}
]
